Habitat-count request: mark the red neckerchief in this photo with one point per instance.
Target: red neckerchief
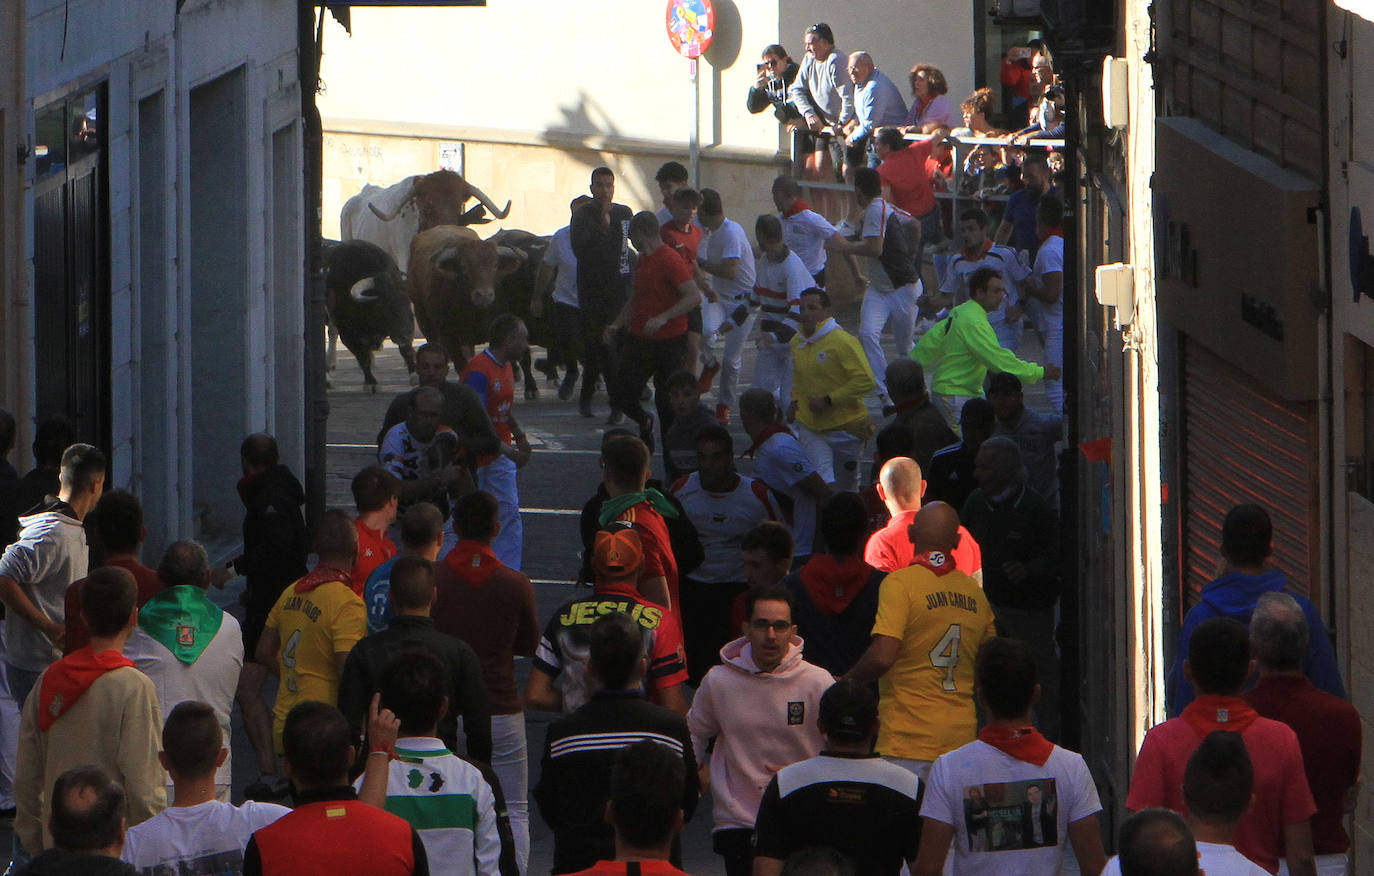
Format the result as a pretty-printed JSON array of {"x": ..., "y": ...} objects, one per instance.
[
  {"x": 975, "y": 255},
  {"x": 1057, "y": 231},
  {"x": 794, "y": 208},
  {"x": 473, "y": 562},
  {"x": 323, "y": 574},
  {"x": 938, "y": 562},
  {"x": 1023, "y": 743},
  {"x": 922, "y": 104},
  {"x": 833, "y": 582},
  {"x": 71, "y": 677},
  {"x": 1211, "y": 712},
  {"x": 768, "y": 432}
]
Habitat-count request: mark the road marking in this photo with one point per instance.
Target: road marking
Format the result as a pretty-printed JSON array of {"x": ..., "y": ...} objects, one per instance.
[
  {"x": 557, "y": 512},
  {"x": 551, "y": 581}
]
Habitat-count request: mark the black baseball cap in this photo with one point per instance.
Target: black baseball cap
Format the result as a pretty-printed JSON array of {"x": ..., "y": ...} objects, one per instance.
[{"x": 849, "y": 711}]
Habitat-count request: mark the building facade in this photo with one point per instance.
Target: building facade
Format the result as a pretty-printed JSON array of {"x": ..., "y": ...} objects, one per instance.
[{"x": 152, "y": 247}]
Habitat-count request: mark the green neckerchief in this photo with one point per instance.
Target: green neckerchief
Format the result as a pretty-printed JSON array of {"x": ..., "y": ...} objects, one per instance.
[
  {"x": 183, "y": 619},
  {"x": 611, "y": 509}
]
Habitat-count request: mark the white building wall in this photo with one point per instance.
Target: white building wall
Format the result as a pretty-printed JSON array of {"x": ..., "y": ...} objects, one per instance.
[
  {"x": 140, "y": 48},
  {"x": 542, "y": 92}
]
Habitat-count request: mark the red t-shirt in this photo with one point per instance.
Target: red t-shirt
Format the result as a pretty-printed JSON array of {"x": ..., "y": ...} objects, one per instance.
[
  {"x": 905, "y": 172},
  {"x": 78, "y": 634},
  {"x": 1281, "y": 793},
  {"x": 686, "y": 243},
  {"x": 890, "y": 548},
  {"x": 374, "y": 548},
  {"x": 658, "y": 549},
  {"x": 621, "y": 868},
  {"x": 656, "y": 281},
  {"x": 333, "y": 836},
  {"x": 1329, "y": 732}
]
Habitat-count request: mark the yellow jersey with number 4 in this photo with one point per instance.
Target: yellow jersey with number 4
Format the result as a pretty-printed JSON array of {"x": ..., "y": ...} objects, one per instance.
[
  {"x": 941, "y": 618},
  {"x": 313, "y": 625}
]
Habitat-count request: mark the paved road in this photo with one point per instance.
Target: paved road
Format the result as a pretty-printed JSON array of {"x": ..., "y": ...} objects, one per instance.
[{"x": 562, "y": 474}]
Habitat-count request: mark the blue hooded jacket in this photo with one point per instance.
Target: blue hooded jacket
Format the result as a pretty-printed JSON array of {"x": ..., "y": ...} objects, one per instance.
[{"x": 1234, "y": 596}]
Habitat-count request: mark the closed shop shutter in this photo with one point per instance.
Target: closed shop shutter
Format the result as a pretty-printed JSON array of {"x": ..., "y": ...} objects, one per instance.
[{"x": 1243, "y": 444}]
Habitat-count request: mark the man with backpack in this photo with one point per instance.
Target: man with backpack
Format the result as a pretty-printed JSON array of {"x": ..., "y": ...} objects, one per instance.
[{"x": 886, "y": 245}]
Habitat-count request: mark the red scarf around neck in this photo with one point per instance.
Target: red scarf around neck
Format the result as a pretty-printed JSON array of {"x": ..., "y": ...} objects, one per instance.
[
  {"x": 794, "y": 208},
  {"x": 975, "y": 254},
  {"x": 768, "y": 432},
  {"x": 69, "y": 678},
  {"x": 1211, "y": 712},
  {"x": 1056, "y": 231},
  {"x": 323, "y": 574},
  {"x": 1022, "y": 743},
  {"x": 473, "y": 562},
  {"x": 833, "y": 582}
]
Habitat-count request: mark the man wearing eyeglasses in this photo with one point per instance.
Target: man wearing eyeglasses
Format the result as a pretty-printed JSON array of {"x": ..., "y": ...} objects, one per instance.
[{"x": 765, "y": 670}]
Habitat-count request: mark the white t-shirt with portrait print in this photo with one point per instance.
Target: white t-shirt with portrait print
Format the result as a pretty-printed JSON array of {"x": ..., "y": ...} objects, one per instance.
[
  {"x": 1000, "y": 828},
  {"x": 205, "y": 838}
]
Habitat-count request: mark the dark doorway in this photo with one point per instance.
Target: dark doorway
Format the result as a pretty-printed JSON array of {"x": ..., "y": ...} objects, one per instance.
[{"x": 71, "y": 255}]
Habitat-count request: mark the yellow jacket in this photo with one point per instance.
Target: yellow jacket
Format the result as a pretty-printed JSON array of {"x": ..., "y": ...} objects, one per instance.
[{"x": 832, "y": 363}]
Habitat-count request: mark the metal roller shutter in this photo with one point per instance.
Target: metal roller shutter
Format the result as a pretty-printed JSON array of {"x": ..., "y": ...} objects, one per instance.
[{"x": 1242, "y": 444}]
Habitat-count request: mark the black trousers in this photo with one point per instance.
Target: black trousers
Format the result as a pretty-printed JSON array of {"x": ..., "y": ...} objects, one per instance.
[
  {"x": 639, "y": 360},
  {"x": 736, "y": 846},
  {"x": 596, "y": 355},
  {"x": 565, "y": 327}
]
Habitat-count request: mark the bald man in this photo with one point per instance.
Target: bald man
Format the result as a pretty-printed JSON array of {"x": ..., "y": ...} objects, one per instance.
[
  {"x": 900, "y": 486},
  {"x": 931, "y": 621}
]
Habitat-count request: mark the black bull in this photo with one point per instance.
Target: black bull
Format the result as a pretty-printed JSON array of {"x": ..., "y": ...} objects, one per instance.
[{"x": 381, "y": 310}]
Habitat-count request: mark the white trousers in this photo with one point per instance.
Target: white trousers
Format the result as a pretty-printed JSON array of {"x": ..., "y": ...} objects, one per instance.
[
  {"x": 498, "y": 478},
  {"x": 1052, "y": 336},
  {"x": 773, "y": 369},
  {"x": 835, "y": 455},
  {"x": 880, "y": 308},
  {"x": 732, "y": 352},
  {"x": 951, "y": 406}
]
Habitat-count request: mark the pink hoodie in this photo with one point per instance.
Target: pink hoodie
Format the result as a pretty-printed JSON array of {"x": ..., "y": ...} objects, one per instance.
[{"x": 762, "y": 721}]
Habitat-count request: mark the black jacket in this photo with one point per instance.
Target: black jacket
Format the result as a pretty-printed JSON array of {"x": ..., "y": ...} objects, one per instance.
[
  {"x": 575, "y": 777},
  {"x": 1021, "y": 529},
  {"x": 467, "y": 695},
  {"x": 775, "y": 95},
  {"x": 949, "y": 478},
  {"x": 274, "y": 539}
]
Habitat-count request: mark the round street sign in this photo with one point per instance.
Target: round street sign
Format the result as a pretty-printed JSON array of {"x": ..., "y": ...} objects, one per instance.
[{"x": 691, "y": 24}]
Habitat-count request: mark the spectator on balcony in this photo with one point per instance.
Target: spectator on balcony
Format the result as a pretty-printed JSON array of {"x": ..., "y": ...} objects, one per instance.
[
  {"x": 931, "y": 106},
  {"x": 876, "y": 102},
  {"x": 975, "y": 114},
  {"x": 777, "y": 72},
  {"x": 824, "y": 94}
]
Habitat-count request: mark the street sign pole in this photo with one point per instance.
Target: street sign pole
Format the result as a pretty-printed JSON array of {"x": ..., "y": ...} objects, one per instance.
[{"x": 694, "y": 136}]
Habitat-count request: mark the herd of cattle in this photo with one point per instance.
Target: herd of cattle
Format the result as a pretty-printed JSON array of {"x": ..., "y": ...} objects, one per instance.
[{"x": 408, "y": 249}]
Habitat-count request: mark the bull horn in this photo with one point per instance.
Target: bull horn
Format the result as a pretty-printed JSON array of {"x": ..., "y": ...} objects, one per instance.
[
  {"x": 489, "y": 203},
  {"x": 510, "y": 252},
  {"x": 410, "y": 196},
  {"x": 360, "y": 290}
]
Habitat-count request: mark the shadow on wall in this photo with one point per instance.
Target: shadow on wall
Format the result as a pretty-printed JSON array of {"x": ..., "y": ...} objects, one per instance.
[{"x": 722, "y": 55}]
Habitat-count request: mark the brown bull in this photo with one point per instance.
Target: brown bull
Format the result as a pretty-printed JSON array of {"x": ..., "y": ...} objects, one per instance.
[
  {"x": 452, "y": 285},
  {"x": 439, "y": 197}
]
